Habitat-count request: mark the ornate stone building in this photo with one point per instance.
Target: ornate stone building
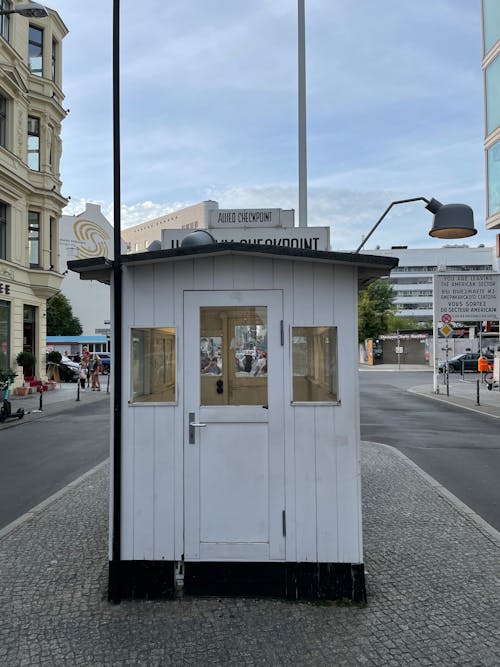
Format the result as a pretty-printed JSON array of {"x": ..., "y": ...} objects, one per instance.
[{"x": 31, "y": 112}]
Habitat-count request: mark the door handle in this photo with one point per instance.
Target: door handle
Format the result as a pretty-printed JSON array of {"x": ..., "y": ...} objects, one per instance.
[{"x": 192, "y": 425}]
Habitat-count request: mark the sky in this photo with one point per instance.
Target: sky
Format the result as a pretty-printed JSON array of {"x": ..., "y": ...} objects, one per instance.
[{"x": 209, "y": 110}]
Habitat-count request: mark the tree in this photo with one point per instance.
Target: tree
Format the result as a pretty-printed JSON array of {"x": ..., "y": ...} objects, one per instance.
[
  {"x": 60, "y": 318},
  {"x": 375, "y": 308}
]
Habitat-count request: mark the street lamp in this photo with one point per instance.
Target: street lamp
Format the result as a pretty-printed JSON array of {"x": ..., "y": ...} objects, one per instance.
[
  {"x": 31, "y": 10},
  {"x": 451, "y": 221}
]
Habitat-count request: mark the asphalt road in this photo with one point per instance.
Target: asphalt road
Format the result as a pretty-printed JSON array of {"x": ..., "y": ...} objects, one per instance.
[
  {"x": 39, "y": 457},
  {"x": 459, "y": 448}
]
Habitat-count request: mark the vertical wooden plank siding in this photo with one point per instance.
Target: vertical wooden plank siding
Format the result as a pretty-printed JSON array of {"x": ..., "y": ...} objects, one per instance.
[
  {"x": 326, "y": 296},
  {"x": 304, "y": 426},
  {"x": 183, "y": 280},
  {"x": 347, "y": 428},
  {"x": 283, "y": 279},
  {"x": 321, "y": 443}
]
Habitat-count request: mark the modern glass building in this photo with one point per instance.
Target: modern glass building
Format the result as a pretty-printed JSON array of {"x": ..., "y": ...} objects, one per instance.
[{"x": 491, "y": 73}]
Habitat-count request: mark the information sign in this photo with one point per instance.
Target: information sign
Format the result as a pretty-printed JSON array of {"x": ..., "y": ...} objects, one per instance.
[{"x": 467, "y": 296}]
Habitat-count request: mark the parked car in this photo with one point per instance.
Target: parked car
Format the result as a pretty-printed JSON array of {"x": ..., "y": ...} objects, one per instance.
[
  {"x": 69, "y": 370},
  {"x": 468, "y": 360},
  {"x": 105, "y": 362}
]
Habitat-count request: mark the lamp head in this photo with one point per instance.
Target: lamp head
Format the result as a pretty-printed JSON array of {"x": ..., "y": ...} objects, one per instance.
[
  {"x": 451, "y": 221},
  {"x": 198, "y": 238},
  {"x": 31, "y": 10}
]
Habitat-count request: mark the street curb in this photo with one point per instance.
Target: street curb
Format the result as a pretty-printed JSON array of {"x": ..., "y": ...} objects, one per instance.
[
  {"x": 32, "y": 513},
  {"x": 483, "y": 526},
  {"x": 437, "y": 397}
]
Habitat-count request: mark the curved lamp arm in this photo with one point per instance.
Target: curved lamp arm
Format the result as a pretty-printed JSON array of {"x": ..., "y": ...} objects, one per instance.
[{"x": 399, "y": 201}]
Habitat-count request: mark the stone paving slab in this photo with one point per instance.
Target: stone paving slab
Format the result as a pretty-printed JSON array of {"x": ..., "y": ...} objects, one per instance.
[{"x": 433, "y": 592}]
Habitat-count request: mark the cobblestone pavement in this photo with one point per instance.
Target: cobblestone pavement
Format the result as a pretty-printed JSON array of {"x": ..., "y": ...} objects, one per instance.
[{"x": 433, "y": 586}]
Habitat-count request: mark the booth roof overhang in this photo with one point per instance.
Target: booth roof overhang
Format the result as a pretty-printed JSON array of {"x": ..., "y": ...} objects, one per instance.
[{"x": 370, "y": 267}]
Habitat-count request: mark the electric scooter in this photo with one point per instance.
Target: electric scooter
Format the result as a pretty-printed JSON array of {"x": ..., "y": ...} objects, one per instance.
[{"x": 5, "y": 406}]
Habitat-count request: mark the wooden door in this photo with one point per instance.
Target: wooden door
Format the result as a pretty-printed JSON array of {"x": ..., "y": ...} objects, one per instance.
[{"x": 234, "y": 449}]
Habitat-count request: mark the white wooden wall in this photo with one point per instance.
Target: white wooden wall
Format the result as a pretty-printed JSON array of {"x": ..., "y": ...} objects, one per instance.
[{"x": 321, "y": 442}]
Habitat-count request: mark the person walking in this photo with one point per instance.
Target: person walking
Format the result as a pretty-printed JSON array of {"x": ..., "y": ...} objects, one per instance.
[
  {"x": 95, "y": 368},
  {"x": 84, "y": 371}
]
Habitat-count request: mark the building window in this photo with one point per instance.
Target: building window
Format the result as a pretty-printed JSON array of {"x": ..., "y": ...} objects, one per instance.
[
  {"x": 3, "y": 231},
  {"x": 36, "y": 50},
  {"x": 29, "y": 329},
  {"x": 492, "y": 75},
  {"x": 494, "y": 179},
  {"x": 3, "y": 121},
  {"x": 55, "y": 47},
  {"x": 153, "y": 365},
  {"x": 5, "y": 6},
  {"x": 34, "y": 238},
  {"x": 4, "y": 335},
  {"x": 34, "y": 143},
  {"x": 53, "y": 244},
  {"x": 491, "y": 23},
  {"x": 314, "y": 363}
]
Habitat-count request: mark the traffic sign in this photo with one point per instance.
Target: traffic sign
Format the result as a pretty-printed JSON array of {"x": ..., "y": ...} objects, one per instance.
[
  {"x": 446, "y": 318},
  {"x": 446, "y": 330}
]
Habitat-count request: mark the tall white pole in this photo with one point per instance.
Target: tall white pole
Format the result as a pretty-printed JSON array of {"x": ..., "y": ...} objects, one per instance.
[{"x": 301, "y": 42}]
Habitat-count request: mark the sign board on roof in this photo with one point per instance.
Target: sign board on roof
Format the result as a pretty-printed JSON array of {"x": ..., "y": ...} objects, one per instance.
[
  {"x": 250, "y": 217},
  {"x": 306, "y": 238},
  {"x": 467, "y": 296}
]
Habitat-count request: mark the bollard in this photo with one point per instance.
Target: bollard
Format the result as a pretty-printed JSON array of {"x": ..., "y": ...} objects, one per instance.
[
  {"x": 107, "y": 386},
  {"x": 477, "y": 392},
  {"x": 78, "y": 390},
  {"x": 40, "y": 407}
]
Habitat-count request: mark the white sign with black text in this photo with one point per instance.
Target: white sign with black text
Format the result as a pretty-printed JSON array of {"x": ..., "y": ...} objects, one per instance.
[
  {"x": 467, "y": 296},
  {"x": 305, "y": 238}
]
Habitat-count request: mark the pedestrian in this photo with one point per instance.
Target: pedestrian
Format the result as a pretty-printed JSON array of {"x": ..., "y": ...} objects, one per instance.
[
  {"x": 95, "y": 369},
  {"x": 84, "y": 371}
]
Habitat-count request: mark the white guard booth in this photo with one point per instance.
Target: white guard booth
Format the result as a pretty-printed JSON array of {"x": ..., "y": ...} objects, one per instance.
[{"x": 240, "y": 469}]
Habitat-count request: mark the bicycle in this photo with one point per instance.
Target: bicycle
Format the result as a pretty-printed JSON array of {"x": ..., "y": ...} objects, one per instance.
[{"x": 5, "y": 406}]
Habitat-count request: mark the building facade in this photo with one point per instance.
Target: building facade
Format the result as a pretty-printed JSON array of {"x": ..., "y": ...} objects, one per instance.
[
  {"x": 491, "y": 74},
  {"x": 31, "y": 114},
  {"x": 208, "y": 215},
  {"x": 88, "y": 234},
  {"x": 412, "y": 279}
]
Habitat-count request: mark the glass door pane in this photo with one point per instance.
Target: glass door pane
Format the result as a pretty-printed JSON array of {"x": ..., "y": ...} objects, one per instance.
[{"x": 233, "y": 355}]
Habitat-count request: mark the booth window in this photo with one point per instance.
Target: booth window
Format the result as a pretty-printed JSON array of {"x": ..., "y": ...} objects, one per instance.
[
  {"x": 153, "y": 365},
  {"x": 314, "y": 364}
]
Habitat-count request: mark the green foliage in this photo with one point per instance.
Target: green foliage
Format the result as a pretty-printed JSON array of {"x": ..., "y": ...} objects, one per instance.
[
  {"x": 375, "y": 308},
  {"x": 5, "y": 374},
  {"x": 60, "y": 318},
  {"x": 54, "y": 357},
  {"x": 27, "y": 360}
]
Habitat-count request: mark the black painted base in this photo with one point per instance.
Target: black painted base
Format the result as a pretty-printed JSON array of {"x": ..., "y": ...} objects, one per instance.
[{"x": 293, "y": 581}]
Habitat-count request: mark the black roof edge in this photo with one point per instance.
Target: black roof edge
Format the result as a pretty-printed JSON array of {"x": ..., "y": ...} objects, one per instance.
[{"x": 375, "y": 266}]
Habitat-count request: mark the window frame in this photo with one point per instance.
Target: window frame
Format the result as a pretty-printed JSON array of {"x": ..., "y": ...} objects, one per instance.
[
  {"x": 7, "y": 305},
  {"x": 4, "y": 105},
  {"x": 330, "y": 403},
  {"x": 4, "y": 221},
  {"x": 32, "y": 42},
  {"x": 34, "y": 151},
  {"x": 5, "y": 5},
  {"x": 32, "y": 225},
  {"x": 133, "y": 402}
]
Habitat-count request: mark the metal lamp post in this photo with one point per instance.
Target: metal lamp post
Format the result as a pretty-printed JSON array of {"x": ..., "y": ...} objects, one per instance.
[
  {"x": 301, "y": 47},
  {"x": 451, "y": 221}
]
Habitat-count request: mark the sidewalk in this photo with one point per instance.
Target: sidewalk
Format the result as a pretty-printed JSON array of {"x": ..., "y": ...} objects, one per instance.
[
  {"x": 432, "y": 577},
  {"x": 57, "y": 400},
  {"x": 463, "y": 394}
]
